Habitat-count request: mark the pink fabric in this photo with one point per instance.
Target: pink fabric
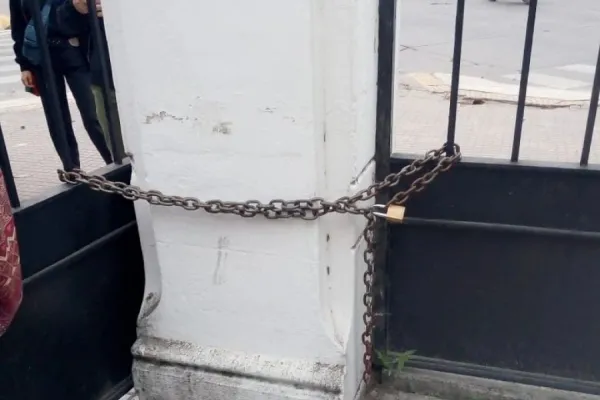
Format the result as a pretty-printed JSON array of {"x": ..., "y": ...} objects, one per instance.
[{"x": 11, "y": 283}]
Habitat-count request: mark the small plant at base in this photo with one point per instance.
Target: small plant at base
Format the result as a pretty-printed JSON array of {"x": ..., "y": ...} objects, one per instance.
[{"x": 393, "y": 361}]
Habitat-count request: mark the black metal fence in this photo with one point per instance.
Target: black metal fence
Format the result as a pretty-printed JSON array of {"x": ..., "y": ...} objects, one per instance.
[
  {"x": 52, "y": 104},
  {"x": 527, "y": 52},
  {"x": 82, "y": 268},
  {"x": 491, "y": 274}
]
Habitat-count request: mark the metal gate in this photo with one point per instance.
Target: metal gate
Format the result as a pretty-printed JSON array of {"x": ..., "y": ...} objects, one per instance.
[
  {"x": 490, "y": 274},
  {"x": 493, "y": 272},
  {"x": 83, "y": 279}
]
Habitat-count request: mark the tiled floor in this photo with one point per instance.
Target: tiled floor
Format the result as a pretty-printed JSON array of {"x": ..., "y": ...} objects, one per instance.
[
  {"x": 33, "y": 158},
  {"x": 486, "y": 130}
]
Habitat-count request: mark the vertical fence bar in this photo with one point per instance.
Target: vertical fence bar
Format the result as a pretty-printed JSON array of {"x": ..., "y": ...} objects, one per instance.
[
  {"x": 591, "y": 120},
  {"x": 383, "y": 148},
  {"x": 52, "y": 100},
  {"x": 99, "y": 40},
  {"x": 516, "y": 147},
  {"x": 9, "y": 178},
  {"x": 456, "y": 58}
]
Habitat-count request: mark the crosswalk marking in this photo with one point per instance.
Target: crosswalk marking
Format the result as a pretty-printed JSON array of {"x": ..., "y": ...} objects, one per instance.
[
  {"x": 580, "y": 68},
  {"x": 10, "y": 73},
  {"x": 11, "y": 88},
  {"x": 10, "y": 79},
  {"x": 9, "y": 68},
  {"x": 550, "y": 81}
]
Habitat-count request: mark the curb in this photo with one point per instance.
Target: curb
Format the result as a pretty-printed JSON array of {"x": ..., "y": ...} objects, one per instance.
[
  {"x": 4, "y": 22},
  {"x": 483, "y": 89}
]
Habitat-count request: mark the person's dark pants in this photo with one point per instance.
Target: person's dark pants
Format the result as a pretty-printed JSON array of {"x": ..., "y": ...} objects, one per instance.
[{"x": 79, "y": 81}]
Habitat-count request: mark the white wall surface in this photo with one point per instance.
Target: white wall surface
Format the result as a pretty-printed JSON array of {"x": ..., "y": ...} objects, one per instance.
[{"x": 237, "y": 100}]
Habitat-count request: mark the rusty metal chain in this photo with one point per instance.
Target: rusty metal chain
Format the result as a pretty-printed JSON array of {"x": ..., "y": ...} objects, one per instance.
[{"x": 431, "y": 165}]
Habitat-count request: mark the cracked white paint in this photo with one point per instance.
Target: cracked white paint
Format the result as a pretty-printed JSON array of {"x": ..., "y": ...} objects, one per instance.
[{"x": 246, "y": 100}]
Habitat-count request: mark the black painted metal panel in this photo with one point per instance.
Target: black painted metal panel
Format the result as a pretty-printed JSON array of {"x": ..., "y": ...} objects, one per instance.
[
  {"x": 506, "y": 296},
  {"x": 383, "y": 145},
  {"x": 555, "y": 196},
  {"x": 67, "y": 219},
  {"x": 517, "y": 301},
  {"x": 71, "y": 338}
]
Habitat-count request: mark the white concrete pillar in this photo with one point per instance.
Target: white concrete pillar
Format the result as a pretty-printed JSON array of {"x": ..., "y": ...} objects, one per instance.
[{"x": 237, "y": 100}]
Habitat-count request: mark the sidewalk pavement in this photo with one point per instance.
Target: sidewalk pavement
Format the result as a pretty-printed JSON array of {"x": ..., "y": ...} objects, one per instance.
[
  {"x": 33, "y": 158},
  {"x": 420, "y": 124},
  {"x": 486, "y": 129}
]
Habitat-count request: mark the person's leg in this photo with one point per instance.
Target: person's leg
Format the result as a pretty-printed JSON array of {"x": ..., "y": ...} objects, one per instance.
[
  {"x": 67, "y": 120},
  {"x": 101, "y": 112},
  {"x": 80, "y": 83},
  {"x": 53, "y": 120}
]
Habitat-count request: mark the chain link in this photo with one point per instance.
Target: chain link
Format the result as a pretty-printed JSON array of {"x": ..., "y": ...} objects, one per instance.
[{"x": 431, "y": 165}]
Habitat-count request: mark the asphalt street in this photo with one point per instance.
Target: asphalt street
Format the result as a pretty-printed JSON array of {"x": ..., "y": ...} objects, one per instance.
[
  {"x": 4, "y": 9},
  {"x": 565, "y": 46},
  {"x": 10, "y": 77},
  {"x": 565, "y": 43},
  {"x": 565, "y": 50}
]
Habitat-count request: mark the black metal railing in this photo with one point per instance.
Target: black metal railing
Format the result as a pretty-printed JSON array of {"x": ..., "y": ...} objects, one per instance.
[
  {"x": 7, "y": 172},
  {"x": 99, "y": 39},
  {"x": 516, "y": 146},
  {"x": 471, "y": 236},
  {"x": 52, "y": 102},
  {"x": 458, "y": 40},
  {"x": 591, "y": 121},
  {"x": 522, "y": 97}
]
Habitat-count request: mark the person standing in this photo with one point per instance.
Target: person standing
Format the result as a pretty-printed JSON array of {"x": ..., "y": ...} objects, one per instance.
[
  {"x": 69, "y": 61},
  {"x": 72, "y": 19}
]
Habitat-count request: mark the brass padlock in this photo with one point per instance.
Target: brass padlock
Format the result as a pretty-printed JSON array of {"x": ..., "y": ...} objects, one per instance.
[{"x": 393, "y": 213}]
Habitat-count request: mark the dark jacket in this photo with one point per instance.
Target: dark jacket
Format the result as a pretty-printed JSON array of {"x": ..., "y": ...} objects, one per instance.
[
  {"x": 69, "y": 22},
  {"x": 20, "y": 14},
  {"x": 62, "y": 53}
]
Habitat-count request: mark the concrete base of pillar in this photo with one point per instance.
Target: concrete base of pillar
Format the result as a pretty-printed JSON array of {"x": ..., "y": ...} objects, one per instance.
[{"x": 181, "y": 371}]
